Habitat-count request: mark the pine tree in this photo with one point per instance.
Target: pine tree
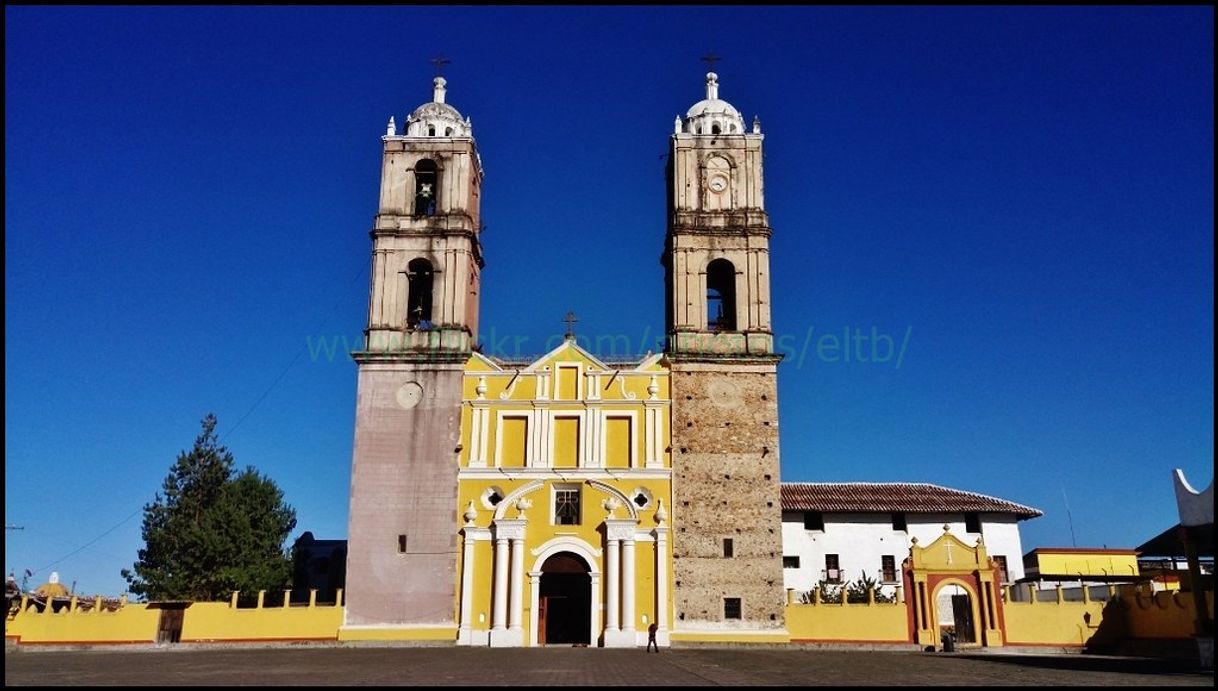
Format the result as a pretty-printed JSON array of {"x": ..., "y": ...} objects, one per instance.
[{"x": 208, "y": 533}]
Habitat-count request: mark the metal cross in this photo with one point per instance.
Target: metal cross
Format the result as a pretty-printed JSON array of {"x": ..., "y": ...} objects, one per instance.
[
  {"x": 710, "y": 59},
  {"x": 439, "y": 61},
  {"x": 570, "y": 319}
]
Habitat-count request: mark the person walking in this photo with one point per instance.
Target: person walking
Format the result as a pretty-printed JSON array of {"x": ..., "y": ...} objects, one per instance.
[{"x": 651, "y": 637}]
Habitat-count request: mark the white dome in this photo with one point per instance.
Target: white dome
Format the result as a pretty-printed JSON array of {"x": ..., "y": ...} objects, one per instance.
[
  {"x": 437, "y": 118},
  {"x": 712, "y": 115}
]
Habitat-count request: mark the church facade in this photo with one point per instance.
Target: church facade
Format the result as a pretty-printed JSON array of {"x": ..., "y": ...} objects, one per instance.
[{"x": 566, "y": 499}]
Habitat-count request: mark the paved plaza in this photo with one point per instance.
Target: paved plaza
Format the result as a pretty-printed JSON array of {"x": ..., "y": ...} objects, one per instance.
[{"x": 300, "y": 665}]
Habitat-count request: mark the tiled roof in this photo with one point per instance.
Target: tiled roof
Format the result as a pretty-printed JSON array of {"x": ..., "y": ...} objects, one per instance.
[{"x": 910, "y": 497}]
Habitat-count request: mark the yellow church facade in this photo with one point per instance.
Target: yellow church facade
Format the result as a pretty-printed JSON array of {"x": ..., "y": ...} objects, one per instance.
[
  {"x": 564, "y": 492},
  {"x": 566, "y": 500}
]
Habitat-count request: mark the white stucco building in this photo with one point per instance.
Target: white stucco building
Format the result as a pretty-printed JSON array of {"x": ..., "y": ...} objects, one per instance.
[{"x": 838, "y": 531}]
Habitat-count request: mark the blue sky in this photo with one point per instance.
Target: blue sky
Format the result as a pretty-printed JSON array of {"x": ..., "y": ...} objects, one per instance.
[{"x": 1019, "y": 198}]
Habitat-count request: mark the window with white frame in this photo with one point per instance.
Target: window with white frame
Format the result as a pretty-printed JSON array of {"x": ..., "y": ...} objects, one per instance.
[{"x": 566, "y": 506}]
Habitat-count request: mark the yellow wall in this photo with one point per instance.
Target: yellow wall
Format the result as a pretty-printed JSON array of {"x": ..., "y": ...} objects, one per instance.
[
  {"x": 879, "y": 622},
  {"x": 1087, "y": 563},
  {"x": 515, "y": 436},
  {"x": 129, "y": 624},
  {"x": 201, "y": 621},
  {"x": 566, "y": 442},
  {"x": 1052, "y": 623},
  {"x": 1165, "y": 614},
  {"x": 220, "y": 621},
  {"x": 617, "y": 442}
]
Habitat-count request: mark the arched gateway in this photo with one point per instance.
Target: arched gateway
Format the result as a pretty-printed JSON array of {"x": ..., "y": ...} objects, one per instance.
[{"x": 564, "y": 601}]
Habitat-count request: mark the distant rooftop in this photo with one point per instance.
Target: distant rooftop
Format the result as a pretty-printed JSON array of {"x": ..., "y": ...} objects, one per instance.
[{"x": 910, "y": 497}]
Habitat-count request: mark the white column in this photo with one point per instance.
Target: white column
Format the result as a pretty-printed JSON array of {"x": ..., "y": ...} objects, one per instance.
[
  {"x": 628, "y": 612},
  {"x": 596, "y": 608},
  {"x": 517, "y": 584},
  {"x": 507, "y": 631},
  {"x": 613, "y": 574},
  {"x": 501, "y": 581},
  {"x": 661, "y": 585},
  {"x": 619, "y": 531},
  {"x": 535, "y": 601},
  {"x": 467, "y": 589}
]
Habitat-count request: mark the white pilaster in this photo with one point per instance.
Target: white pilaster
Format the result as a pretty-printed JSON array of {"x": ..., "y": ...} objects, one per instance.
[
  {"x": 499, "y": 608},
  {"x": 619, "y": 531},
  {"x": 472, "y": 535},
  {"x": 628, "y": 579},
  {"x": 535, "y": 589},
  {"x": 613, "y": 573},
  {"x": 661, "y": 614},
  {"x": 514, "y": 605},
  {"x": 506, "y": 631}
]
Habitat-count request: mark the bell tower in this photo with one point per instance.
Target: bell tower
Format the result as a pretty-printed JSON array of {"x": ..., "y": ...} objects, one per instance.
[
  {"x": 422, "y": 324},
  {"x": 727, "y": 546}
]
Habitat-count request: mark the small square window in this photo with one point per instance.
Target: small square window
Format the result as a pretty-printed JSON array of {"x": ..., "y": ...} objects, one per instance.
[
  {"x": 898, "y": 522},
  {"x": 401, "y": 544},
  {"x": 814, "y": 520},
  {"x": 790, "y": 562},
  {"x": 566, "y": 507},
  {"x": 972, "y": 523},
  {"x": 729, "y": 548},
  {"x": 731, "y": 608}
]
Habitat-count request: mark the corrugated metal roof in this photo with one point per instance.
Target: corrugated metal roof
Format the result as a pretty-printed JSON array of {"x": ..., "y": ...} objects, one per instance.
[{"x": 910, "y": 497}]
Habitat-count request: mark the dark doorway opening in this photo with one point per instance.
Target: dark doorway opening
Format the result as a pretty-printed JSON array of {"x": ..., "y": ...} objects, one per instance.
[
  {"x": 962, "y": 613},
  {"x": 564, "y": 609}
]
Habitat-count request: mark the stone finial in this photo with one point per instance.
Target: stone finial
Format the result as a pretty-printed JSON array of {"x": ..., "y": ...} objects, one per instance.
[
  {"x": 480, "y": 389},
  {"x": 470, "y": 514},
  {"x": 392, "y": 128},
  {"x": 611, "y": 505},
  {"x": 947, "y": 528},
  {"x": 661, "y": 514},
  {"x": 913, "y": 540},
  {"x": 712, "y": 86},
  {"x": 676, "y": 125},
  {"x": 438, "y": 94},
  {"x": 653, "y": 388},
  {"x": 756, "y": 125},
  {"x": 522, "y": 504}
]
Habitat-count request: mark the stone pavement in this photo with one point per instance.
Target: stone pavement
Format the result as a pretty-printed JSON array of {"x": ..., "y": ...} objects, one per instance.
[{"x": 347, "y": 665}]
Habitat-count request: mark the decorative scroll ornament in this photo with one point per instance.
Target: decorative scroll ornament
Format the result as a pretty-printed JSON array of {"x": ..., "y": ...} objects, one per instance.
[{"x": 628, "y": 395}]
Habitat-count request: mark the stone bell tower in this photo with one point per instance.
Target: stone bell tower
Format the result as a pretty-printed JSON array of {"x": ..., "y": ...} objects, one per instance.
[
  {"x": 727, "y": 515},
  {"x": 422, "y": 323}
]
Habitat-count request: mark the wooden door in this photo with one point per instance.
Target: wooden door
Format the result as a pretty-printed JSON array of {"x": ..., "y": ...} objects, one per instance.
[
  {"x": 962, "y": 612},
  {"x": 169, "y": 628},
  {"x": 542, "y": 606}
]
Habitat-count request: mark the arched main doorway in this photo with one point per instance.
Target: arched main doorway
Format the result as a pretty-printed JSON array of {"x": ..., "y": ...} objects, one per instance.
[
  {"x": 565, "y": 601},
  {"x": 954, "y": 606}
]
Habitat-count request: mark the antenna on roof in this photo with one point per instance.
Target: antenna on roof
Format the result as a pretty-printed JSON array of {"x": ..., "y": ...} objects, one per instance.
[{"x": 1068, "y": 517}]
